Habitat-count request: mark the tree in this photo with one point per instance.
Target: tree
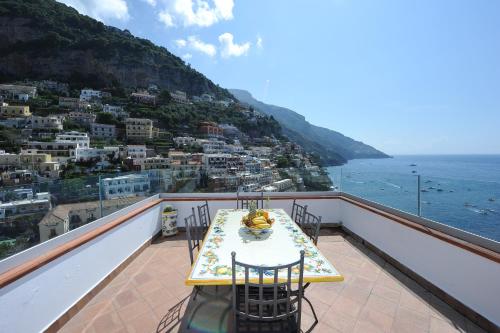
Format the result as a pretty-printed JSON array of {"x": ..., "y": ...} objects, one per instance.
[{"x": 164, "y": 97}]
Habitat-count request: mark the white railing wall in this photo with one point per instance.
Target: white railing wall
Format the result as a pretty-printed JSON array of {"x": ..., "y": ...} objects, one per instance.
[
  {"x": 33, "y": 302},
  {"x": 468, "y": 277}
]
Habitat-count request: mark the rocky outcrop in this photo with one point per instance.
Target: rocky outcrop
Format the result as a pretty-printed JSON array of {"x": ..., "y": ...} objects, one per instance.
[{"x": 44, "y": 39}]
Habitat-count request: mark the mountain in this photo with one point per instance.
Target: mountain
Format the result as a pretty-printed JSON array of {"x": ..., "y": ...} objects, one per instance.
[
  {"x": 45, "y": 39},
  {"x": 332, "y": 147}
]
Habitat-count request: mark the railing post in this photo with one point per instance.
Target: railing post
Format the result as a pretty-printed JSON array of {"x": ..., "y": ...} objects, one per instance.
[
  {"x": 419, "y": 203},
  {"x": 100, "y": 196}
]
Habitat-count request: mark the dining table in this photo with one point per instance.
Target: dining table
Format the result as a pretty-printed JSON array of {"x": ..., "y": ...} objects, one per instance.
[{"x": 278, "y": 245}]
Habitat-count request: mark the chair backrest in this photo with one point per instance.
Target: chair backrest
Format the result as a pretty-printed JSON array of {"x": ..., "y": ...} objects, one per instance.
[
  {"x": 242, "y": 202},
  {"x": 311, "y": 225},
  {"x": 268, "y": 301},
  {"x": 204, "y": 216},
  {"x": 298, "y": 212},
  {"x": 194, "y": 234}
]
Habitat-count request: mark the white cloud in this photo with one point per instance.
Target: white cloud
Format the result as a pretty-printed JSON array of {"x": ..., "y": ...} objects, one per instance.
[
  {"x": 196, "y": 44},
  {"x": 259, "y": 42},
  {"x": 166, "y": 18},
  {"x": 187, "y": 56},
  {"x": 101, "y": 10},
  {"x": 202, "y": 13},
  {"x": 180, "y": 43},
  {"x": 152, "y": 3},
  {"x": 231, "y": 49}
]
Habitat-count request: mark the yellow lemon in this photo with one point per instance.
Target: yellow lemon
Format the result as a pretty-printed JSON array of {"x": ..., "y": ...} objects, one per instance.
[{"x": 221, "y": 270}]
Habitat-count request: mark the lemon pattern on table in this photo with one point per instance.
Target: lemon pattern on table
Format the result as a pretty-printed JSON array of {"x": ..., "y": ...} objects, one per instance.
[{"x": 211, "y": 267}]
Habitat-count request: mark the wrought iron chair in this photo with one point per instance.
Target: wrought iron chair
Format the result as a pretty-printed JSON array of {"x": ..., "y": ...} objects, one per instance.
[
  {"x": 194, "y": 233},
  {"x": 204, "y": 217},
  {"x": 298, "y": 212},
  {"x": 311, "y": 225},
  {"x": 260, "y": 307},
  {"x": 242, "y": 202}
]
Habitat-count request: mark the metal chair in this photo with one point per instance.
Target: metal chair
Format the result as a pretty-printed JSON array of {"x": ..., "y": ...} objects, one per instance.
[
  {"x": 242, "y": 202},
  {"x": 268, "y": 306},
  {"x": 298, "y": 212},
  {"x": 194, "y": 234},
  {"x": 204, "y": 217},
  {"x": 311, "y": 225}
]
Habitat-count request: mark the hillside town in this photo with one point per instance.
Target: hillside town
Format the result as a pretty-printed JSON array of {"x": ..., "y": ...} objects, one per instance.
[{"x": 68, "y": 157}]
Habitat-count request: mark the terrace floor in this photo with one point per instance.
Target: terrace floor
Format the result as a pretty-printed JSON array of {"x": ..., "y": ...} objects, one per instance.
[{"x": 149, "y": 295}]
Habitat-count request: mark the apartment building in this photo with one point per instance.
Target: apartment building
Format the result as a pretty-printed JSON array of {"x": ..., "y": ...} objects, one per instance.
[
  {"x": 126, "y": 186},
  {"x": 89, "y": 94},
  {"x": 80, "y": 138},
  {"x": 16, "y": 177},
  {"x": 80, "y": 117},
  {"x": 101, "y": 154},
  {"x": 136, "y": 151},
  {"x": 103, "y": 131},
  {"x": 150, "y": 163},
  {"x": 210, "y": 129},
  {"x": 144, "y": 98},
  {"x": 116, "y": 111},
  {"x": 19, "y": 92},
  {"x": 179, "y": 97},
  {"x": 139, "y": 129},
  {"x": 59, "y": 151},
  {"x": 51, "y": 122},
  {"x": 13, "y": 111},
  {"x": 40, "y": 162},
  {"x": 8, "y": 161},
  {"x": 15, "y": 209},
  {"x": 73, "y": 103}
]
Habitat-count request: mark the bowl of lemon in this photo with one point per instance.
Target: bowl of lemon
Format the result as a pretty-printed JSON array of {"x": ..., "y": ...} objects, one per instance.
[{"x": 258, "y": 222}]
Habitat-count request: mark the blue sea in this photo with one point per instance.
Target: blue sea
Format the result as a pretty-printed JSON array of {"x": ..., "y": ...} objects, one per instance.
[{"x": 462, "y": 191}]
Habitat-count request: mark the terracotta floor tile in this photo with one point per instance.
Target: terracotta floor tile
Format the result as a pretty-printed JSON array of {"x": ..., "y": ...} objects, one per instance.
[
  {"x": 339, "y": 321},
  {"x": 388, "y": 293},
  {"x": 109, "y": 322},
  {"x": 412, "y": 318},
  {"x": 126, "y": 297},
  {"x": 381, "y": 304},
  {"x": 440, "y": 326},
  {"x": 377, "y": 320},
  {"x": 133, "y": 310},
  {"x": 347, "y": 306},
  {"x": 145, "y": 323},
  {"x": 374, "y": 297}
]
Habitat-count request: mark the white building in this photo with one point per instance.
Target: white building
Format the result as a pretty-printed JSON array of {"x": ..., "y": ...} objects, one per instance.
[
  {"x": 80, "y": 138},
  {"x": 136, "y": 151},
  {"x": 126, "y": 186},
  {"x": 51, "y": 122},
  {"x": 14, "y": 209},
  {"x": 115, "y": 110},
  {"x": 104, "y": 131},
  {"x": 103, "y": 154},
  {"x": 19, "y": 92},
  {"x": 89, "y": 94}
]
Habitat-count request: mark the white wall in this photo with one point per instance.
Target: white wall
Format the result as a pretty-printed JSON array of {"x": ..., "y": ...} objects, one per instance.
[
  {"x": 470, "y": 278},
  {"x": 33, "y": 302},
  {"x": 328, "y": 209}
]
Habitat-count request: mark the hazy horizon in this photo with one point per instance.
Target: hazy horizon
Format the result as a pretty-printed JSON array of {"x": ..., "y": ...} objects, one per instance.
[{"x": 406, "y": 78}]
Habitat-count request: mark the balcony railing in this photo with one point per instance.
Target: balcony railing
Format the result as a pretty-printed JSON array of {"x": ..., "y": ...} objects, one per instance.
[{"x": 50, "y": 282}]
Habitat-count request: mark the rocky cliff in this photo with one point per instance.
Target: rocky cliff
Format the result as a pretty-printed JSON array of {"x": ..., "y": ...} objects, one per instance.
[{"x": 44, "y": 39}]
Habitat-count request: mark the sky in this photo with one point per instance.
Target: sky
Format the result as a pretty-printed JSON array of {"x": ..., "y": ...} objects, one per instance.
[{"x": 407, "y": 77}]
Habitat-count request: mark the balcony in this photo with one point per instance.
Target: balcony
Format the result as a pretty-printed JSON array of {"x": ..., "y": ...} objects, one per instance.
[{"x": 402, "y": 273}]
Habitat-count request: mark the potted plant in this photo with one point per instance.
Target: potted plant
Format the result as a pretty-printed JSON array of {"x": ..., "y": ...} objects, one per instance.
[{"x": 169, "y": 221}]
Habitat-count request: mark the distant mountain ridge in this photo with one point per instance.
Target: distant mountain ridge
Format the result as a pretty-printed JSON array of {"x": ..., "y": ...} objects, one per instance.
[
  {"x": 45, "y": 39},
  {"x": 332, "y": 147}
]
